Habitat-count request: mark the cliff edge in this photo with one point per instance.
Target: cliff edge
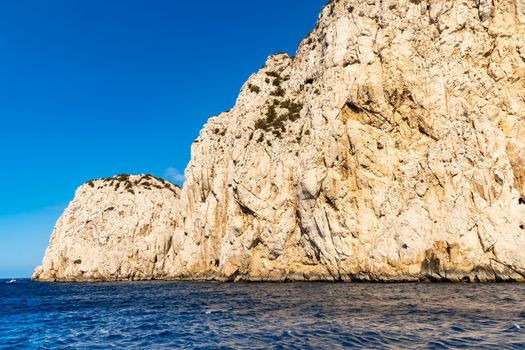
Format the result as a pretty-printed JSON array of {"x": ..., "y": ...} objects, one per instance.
[{"x": 390, "y": 148}]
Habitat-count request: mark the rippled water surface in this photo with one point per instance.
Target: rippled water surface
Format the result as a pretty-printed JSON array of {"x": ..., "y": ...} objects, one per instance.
[{"x": 155, "y": 315}]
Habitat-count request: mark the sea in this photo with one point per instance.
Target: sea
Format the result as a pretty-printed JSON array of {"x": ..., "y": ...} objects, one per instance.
[{"x": 207, "y": 315}]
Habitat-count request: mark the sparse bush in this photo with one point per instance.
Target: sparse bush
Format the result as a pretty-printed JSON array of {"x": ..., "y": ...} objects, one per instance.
[
  {"x": 121, "y": 177},
  {"x": 293, "y": 109},
  {"x": 278, "y": 92},
  {"x": 273, "y": 74},
  {"x": 219, "y": 131},
  {"x": 254, "y": 88},
  {"x": 275, "y": 122}
]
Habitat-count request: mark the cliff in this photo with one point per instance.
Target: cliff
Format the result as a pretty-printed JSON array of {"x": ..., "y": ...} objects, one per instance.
[
  {"x": 115, "y": 228},
  {"x": 390, "y": 148}
]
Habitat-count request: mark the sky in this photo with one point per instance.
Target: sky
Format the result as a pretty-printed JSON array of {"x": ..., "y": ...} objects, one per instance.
[{"x": 91, "y": 89}]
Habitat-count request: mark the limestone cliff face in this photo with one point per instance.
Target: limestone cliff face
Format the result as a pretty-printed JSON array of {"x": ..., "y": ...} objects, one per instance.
[
  {"x": 391, "y": 147},
  {"x": 116, "y": 228}
]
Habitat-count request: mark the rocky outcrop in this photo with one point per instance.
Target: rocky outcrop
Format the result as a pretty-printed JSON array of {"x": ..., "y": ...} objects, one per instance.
[
  {"x": 391, "y": 147},
  {"x": 117, "y": 228}
]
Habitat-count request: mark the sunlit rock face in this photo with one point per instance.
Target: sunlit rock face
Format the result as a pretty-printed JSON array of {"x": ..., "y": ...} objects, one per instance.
[
  {"x": 391, "y": 147},
  {"x": 116, "y": 228}
]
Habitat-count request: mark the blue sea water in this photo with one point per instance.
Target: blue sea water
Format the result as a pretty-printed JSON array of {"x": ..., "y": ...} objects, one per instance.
[{"x": 175, "y": 315}]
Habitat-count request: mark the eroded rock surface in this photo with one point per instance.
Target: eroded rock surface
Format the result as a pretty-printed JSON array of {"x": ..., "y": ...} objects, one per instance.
[
  {"x": 392, "y": 147},
  {"x": 117, "y": 228}
]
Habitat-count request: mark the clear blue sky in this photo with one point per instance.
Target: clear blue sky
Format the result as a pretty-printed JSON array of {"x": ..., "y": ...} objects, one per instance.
[{"x": 94, "y": 88}]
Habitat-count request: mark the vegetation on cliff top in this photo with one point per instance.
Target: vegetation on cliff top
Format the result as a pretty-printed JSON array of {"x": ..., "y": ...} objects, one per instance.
[
  {"x": 278, "y": 111},
  {"x": 277, "y": 115},
  {"x": 126, "y": 182}
]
